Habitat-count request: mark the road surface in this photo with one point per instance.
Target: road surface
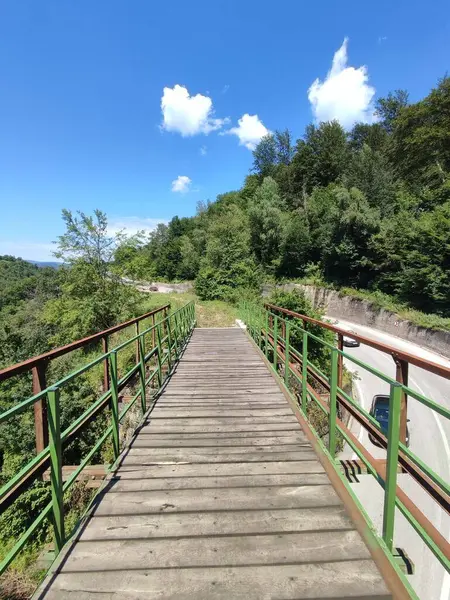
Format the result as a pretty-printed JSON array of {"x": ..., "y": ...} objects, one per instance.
[{"x": 429, "y": 439}]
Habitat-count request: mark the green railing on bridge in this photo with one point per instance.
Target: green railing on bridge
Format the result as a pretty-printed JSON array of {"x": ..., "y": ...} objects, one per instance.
[
  {"x": 154, "y": 363},
  {"x": 273, "y": 329}
]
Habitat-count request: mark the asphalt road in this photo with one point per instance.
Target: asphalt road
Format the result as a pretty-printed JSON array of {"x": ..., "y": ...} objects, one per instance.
[{"x": 429, "y": 439}]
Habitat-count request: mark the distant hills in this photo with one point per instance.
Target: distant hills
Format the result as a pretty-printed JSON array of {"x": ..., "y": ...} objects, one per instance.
[{"x": 42, "y": 264}]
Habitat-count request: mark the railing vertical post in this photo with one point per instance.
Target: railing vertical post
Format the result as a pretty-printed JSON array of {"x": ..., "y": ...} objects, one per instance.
[
  {"x": 333, "y": 406},
  {"x": 340, "y": 359},
  {"x": 275, "y": 343},
  {"x": 40, "y": 407},
  {"x": 105, "y": 364},
  {"x": 181, "y": 321},
  {"x": 164, "y": 322},
  {"x": 153, "y": 332},
  {"x": 401, "y": 375},
  {"x": 187, "y": 323},
  {"x": 56, "y": 478},
  {"x": 305, "y": 371},
  {"x": 183, "y": 326},
  {"x": 175, "y": 333},
  {"x": 260, "y": 327},
  {"x": 142, "y": 373},
  {"x": 267, "y": 334},
  {"x": 115, "y": 403},
  {"x": 137, "y": 343},
  {"x": 286, "y": 353},
  {"x": 158, "y": 353},
  {"x": 169, "y": 343},
  {"x": 390, "y": 488}
]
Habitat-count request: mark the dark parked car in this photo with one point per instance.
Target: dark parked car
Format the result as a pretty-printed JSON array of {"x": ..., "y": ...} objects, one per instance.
[{"x": 380, "y": 411}]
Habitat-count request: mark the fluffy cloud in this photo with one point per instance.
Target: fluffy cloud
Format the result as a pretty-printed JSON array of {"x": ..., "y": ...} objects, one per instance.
[
  {"x": 181, "y": 184},
  {"x": 188, "y": 115},
  {"x": 345, "y": 94},
  {"x": 131, "y": 225},
  {"x": 250, "y": 130},
  {"x": 203, "y": 150}
]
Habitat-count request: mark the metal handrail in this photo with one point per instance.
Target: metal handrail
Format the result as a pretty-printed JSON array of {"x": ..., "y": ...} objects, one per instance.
[
  {"x": 166, "y": 348},
  {"x": 270, "y": 327},
  {"x": 28, "y": 364}
]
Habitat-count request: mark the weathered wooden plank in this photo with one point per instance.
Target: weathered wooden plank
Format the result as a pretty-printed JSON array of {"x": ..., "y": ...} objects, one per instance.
[
  {"x": 217, "y": 523},
  {"x": 223, "y": 499},
  {"x": 340, "y": 580},
  {"x": 222, "y": 426},
  {"x": 260, "y": 549},
  {"x": 217, "y": 412},
  {"x": 138, "y": 456},
  {"x": 118, "y": 484},
  {"x": 222, "y": 420},
  {"x": 149, "y": 441},
  {"x": 150, "y": 433}
]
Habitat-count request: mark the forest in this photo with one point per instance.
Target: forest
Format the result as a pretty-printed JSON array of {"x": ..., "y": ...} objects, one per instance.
[{"x": 367, "y": 208}]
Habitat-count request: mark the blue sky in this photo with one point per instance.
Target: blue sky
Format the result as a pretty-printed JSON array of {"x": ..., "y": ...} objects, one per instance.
[{"x": 143, "y": 108}]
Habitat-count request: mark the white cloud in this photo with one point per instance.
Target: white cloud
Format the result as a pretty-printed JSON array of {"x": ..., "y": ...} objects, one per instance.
[
  {"x": 188, "y": 115},
  {"x": 181, "y": 184},
  {"x": 250, "y": 130},
  {"x": 225, "y": 89},
  {"x": 382, "y": 38},
  {"x": 131, "y": 225},
  {"x": 345, "y": 94},
  {"x": 203, "y": 150},
  {"x": 40, "y": 251}
]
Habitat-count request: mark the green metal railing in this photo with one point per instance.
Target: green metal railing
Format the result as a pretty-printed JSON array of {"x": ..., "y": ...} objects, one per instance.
[
  {"x": 273, "y": 334},
  {"x": 168, "y": 338}
]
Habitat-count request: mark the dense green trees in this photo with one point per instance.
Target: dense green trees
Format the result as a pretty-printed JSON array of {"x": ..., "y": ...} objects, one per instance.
[
  {"x": 227, "y": 264},
  {"x": 368, "y": 207}
]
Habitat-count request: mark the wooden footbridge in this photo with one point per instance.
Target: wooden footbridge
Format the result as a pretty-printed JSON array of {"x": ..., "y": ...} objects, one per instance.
[{"x": 224, "y": 490}]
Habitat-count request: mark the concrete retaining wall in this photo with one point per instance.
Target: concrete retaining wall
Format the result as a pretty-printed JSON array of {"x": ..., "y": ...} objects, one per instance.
[{"x": 363, "y": 312}]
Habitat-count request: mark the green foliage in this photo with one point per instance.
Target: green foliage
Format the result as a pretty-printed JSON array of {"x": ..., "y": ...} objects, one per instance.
[
  {"x": 92, "y": 296},
  {"x": 389, "y": 109},
  {"x": 267, "y": 223},
  {"x": 420, "y": 148},
  {"x": 321, "y": 158},
  {"x": 272, "y": 151},
  {"x": 228, "y": 264},
  {"x": 297, "y": 302},
  {"x": 295, "y": 245}
]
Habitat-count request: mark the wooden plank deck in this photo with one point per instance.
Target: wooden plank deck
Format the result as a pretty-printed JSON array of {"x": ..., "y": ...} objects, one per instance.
[{"x": 219, "y": 496}]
